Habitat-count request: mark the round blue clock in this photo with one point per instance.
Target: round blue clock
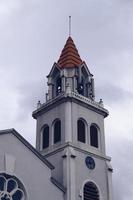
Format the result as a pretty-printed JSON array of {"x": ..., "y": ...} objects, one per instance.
[{"x": 90, "y": 163}]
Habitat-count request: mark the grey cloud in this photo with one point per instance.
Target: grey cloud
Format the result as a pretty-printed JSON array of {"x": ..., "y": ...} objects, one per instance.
[
  {"x": 122, "y": 153},
  {"x": 30, "y": 93},
  {"x": 31, "y": 39},
  {"x": 113, "y": 94}
]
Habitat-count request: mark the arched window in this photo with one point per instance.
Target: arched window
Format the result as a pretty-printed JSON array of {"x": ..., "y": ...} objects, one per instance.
[
  {"x": 81, "y": 131},
  {"x": 45, "y": 136},
  {"x": 91, "y": 191},
  {"x": 57, "y": 131},
  {"x": 94, "y": 136}
]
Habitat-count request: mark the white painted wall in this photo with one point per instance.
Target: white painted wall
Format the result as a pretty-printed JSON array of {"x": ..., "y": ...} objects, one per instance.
[{"x": 31, "y": 171}]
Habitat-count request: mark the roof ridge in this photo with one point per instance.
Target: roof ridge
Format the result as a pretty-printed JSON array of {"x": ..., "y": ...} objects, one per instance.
[{"x": 28, "y": 145}]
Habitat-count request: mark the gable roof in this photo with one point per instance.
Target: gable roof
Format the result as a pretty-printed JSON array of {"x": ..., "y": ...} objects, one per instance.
[
  {"x": 55, "y": 69},
  {"x": 69, "y": 56},
  {"x": 28, "y": 145}
]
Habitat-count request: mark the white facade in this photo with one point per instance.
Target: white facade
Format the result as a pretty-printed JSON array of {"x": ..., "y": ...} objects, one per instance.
[
  {"x": 70, "y": 161},
  {"x": 22, "y": 162},
  {"x": 69, "y": 154}
]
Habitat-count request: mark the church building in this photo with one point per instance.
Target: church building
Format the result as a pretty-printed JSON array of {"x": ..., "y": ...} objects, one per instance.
[{"x": 69, "y": 161}]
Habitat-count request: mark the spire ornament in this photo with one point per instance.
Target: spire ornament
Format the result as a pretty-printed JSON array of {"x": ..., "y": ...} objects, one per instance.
[{"x": 69, "y": 26}]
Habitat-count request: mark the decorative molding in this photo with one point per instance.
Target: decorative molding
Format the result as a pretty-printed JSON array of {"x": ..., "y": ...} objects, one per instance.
[
  {"x": 62, "y": 147},
  {"x": 69, "y": 152},
  {"x": 10, "y": 161},
  {"x": 72, "y": 97}
]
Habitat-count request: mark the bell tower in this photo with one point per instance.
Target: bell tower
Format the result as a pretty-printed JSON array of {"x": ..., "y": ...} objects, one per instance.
[{"x": 70, "y": 129}]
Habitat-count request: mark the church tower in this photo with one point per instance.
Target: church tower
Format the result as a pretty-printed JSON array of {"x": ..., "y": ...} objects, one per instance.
[{"x": 70, "y": 129}]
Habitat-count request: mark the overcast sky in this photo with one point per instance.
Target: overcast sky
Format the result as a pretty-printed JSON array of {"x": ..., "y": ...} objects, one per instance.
[{"x": 32, "y": 35}]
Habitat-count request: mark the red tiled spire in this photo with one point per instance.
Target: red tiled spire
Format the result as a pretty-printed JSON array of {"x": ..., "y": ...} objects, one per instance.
[{"x": 69, "y": 56}]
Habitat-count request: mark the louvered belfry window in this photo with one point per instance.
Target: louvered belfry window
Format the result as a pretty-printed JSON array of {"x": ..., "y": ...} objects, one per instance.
[{"x": 91, "y": 192}]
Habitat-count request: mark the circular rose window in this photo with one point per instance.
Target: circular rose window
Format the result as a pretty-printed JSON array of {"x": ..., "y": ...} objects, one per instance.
[{"x": 11, "y": 188}]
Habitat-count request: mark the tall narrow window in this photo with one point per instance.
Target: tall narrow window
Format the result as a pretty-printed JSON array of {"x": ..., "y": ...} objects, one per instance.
[
  {"x": 57, "y": 131},
  {"x": 81, "y": 131},
  {"x": 93, "y": 136},
  {"x": 91, "y": 191},
  {"x": 45, "y": 136},
  {"x": 58, "y": 86},
  {"x": 80, "y": 88}
]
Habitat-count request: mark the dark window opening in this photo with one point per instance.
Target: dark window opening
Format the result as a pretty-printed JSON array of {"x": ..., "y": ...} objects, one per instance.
[
  {"x": 93, "y": 136},
  {"x": 46, "y": 137},
  {"x": 2, "y": 183},
  {"x": 80, "y": 88},
  {"x": 91, "y": 191},
  {"x": 11, "y": 185},
  {"x": 11, "y": 188},
  {"x": 17, "y": 195},
  {"x": 81, "y": 131},
  {"x": 58, "y": 86},
  {"x": 57, "y": 131},
  {"x": 86, "y": 88}
]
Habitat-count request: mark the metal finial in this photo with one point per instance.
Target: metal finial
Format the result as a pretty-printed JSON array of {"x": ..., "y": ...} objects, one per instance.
[{"x": 69, "y": 25}]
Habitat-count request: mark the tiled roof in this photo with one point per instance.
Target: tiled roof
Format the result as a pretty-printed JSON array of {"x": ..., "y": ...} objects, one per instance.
[{"x": 69, "y": 56}]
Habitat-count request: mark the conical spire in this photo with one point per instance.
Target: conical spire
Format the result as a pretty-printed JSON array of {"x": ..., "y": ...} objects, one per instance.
[{"x": 69, "y": 56}]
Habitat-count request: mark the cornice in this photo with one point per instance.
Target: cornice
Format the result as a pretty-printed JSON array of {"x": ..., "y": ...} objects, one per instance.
[
  {"x": 96, "y": 153},
  {"x": 71, "y": 97}
]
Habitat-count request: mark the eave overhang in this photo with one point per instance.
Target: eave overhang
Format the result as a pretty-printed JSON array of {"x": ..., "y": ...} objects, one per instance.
[
  {"x": 28, "y": 145},
  {"x": 71, "y": 97}
]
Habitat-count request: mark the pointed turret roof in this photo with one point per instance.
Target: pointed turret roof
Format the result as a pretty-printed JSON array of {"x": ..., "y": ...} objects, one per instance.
[{"x": 69, "y": 56}]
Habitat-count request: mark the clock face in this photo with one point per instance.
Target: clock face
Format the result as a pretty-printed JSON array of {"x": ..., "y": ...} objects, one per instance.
[{"x": 90, "y": 163}]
